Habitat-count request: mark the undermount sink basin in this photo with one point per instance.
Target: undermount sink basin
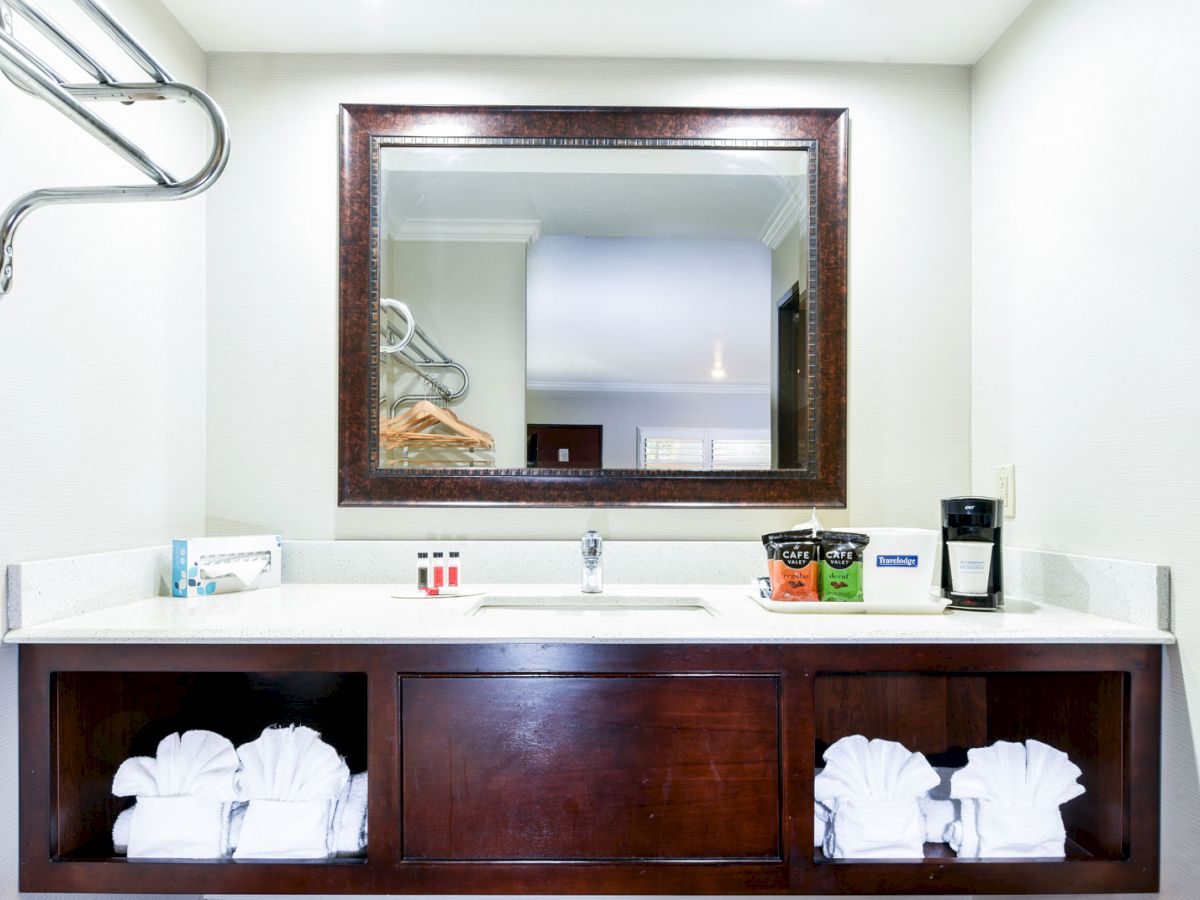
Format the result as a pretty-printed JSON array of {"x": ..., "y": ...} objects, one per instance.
[{"x": 591, "y": 605}]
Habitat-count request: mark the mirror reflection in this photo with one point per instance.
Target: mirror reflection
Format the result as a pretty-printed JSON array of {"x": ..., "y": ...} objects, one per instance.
[{"x": 586, "y": 308}]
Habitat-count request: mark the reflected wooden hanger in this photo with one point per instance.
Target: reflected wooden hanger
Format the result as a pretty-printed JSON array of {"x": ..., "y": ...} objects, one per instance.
[{"x": 412, "y": 428}]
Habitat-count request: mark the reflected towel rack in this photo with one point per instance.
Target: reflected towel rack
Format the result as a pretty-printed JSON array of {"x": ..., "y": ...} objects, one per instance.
[
  {"x": 34, "y": 76},
  {"x": 412, "y": 348}
]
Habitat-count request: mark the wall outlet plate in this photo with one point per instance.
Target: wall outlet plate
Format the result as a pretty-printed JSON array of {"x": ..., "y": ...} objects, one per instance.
[{"x": 1006, "y": 488}]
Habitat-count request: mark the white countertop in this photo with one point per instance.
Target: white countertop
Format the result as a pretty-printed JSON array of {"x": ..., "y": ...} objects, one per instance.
[{"x": 370, "y": 614}]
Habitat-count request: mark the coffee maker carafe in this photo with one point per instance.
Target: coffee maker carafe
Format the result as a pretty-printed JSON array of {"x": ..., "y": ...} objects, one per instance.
[{"x": 971, "y": 552}]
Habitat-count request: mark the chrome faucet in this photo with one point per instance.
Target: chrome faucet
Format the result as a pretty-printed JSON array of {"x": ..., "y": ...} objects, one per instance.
[{"x": 592, "y": 547}]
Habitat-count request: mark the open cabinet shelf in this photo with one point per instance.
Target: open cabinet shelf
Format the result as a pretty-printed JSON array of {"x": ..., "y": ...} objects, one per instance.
[
  {"x": 101, "y": 718},
  {"x": 943, "y": 715},
  {"x": 592, "y": 768}
]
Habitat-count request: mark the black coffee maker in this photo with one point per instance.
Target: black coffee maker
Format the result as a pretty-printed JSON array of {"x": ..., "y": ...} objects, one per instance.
[{"x": 971, "y": 576}]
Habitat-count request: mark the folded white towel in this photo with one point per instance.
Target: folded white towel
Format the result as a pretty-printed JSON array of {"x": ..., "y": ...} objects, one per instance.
[
  {"x": 938, "y": 809},
  {"x": 285, "y": 829},
  {"x": 183, "y": 796},
  {"x": 1017, "y": 790},
  {"x": 1020, "y": 831},
  {"x": 292, "y": 780},
  {"x": 871, "y": 788},
  {"x": 350, "y": 818},
  {"x": 179, "y": 828},
  {"x": 876, "y": 829}
]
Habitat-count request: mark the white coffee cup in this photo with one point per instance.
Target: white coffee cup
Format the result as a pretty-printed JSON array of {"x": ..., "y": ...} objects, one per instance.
[{"x": 970, "y": 566}]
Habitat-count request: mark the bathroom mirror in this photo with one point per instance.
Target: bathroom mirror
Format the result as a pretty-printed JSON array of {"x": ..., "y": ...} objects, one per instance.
[{"x": 592, "y": 306}]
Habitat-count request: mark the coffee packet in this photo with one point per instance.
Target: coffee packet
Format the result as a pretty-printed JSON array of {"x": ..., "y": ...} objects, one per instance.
[
  {"x": 793, "y": 562},
  {"x": 842, "y": 566}
]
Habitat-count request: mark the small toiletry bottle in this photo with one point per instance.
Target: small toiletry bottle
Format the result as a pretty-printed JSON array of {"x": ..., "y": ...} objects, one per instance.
[
  {"x": 422, "y": 571},
  {"x": 439, "y": 571},
  {"x": 452, "y": 577}
]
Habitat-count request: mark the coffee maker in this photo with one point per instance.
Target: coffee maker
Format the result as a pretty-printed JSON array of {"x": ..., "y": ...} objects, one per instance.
[{"x": 971, "y": 552}]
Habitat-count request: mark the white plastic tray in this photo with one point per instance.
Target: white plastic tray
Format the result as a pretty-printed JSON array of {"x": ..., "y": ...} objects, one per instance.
[{"x": 935, "y": 605}]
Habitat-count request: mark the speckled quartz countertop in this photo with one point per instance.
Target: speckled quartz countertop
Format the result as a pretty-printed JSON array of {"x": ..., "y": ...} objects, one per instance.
[{"x": 370, "y": 613}]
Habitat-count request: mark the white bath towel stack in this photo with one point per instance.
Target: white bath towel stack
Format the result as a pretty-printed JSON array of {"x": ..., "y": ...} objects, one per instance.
[
  {"x": 1010, "y": 795},
  {"x": 291, "y": 780},
  {"x": 871, "y": 789},
  {"x": 183, "y": 796}
]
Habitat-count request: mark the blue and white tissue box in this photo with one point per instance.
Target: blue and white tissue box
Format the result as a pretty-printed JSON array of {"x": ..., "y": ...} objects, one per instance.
[{"x": 201, "y": 567}]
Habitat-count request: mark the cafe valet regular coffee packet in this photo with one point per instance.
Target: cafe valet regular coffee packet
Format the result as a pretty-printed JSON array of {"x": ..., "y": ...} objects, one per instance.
[{"x": 810, "y": 565}]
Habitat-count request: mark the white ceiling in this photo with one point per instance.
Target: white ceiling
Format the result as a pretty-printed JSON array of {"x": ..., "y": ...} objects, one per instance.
[
  {"x": 899, "y": 31},
  {"x": 432, "y": 193},
  {"x": 423, "y": 205}
]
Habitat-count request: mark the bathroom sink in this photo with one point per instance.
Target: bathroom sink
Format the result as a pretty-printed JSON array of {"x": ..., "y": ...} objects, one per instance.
[{"x": 511, "y": 606}]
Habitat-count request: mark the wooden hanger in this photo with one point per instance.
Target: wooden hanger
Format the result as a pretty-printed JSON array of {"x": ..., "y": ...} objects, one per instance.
[{"x": 412, "y": 428}]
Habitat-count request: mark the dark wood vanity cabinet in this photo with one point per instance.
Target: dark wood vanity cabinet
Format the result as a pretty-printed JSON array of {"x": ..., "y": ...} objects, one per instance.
[{"x": 597, "y": 768}]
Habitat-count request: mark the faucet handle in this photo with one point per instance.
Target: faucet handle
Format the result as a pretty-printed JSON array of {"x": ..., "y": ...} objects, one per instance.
[{"x": 592, "y": 544}]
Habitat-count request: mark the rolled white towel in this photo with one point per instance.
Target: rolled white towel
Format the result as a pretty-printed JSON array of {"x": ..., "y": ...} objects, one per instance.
[
  {"x": 120, "y": 834},
  {"x": 291, "y": 780},
  {"x": 963, "y": 833},
  {"x": 938, "y": 809},
  {"x": 821, "y": 817},
  {"x": 871, "y": 789},
  {"x": 350, "y": 817}
]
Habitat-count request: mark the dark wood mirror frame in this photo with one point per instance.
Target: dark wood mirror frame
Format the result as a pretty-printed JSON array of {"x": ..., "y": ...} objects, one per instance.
[{"x": 365, "y": 129}]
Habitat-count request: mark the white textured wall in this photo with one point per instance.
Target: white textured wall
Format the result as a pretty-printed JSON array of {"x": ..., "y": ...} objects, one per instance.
[
  {"x": 1086, "y": 321},
  {"x": 273, "y": 281},
  {"x": 102, "y": 344}
]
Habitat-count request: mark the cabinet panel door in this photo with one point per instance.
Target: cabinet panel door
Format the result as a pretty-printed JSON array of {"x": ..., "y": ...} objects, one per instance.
[{"x": 588, "y": 768}]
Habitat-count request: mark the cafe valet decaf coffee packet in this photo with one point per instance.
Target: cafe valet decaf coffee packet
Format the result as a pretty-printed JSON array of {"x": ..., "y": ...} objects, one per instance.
[{"x": 808, "y": 566}]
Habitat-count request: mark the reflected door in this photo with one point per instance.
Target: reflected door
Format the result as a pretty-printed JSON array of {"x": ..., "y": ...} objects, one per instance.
[{"x": 565, "y": 446}]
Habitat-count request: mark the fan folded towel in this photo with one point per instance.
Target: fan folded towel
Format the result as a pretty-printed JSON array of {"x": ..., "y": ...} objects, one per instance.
[
  {"x": 871, "y": 789},
  {"x": 291, "y": 780},
  {"x": 938, "y": 809},
  {"x": 1014, "y": 791},
  {"x": 183, "y": 797}
]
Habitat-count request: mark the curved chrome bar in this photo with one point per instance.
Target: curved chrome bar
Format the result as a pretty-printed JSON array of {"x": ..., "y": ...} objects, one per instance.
[
  {"x": 166, "y": 189},
  {"x": 410, "y": 328}
]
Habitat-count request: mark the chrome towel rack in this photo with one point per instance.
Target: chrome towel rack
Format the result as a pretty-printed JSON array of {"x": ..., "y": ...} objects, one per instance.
[
  {"x": 412, "y": 348},
  {"x": 34, "y": 76}
]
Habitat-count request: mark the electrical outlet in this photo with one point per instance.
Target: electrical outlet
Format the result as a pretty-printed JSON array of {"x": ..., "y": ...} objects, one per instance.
[{"x": 1006, "y": 489}]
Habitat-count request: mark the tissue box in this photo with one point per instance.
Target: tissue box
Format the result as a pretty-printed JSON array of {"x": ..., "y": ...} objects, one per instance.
[{"x": 222, "y": 565}]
